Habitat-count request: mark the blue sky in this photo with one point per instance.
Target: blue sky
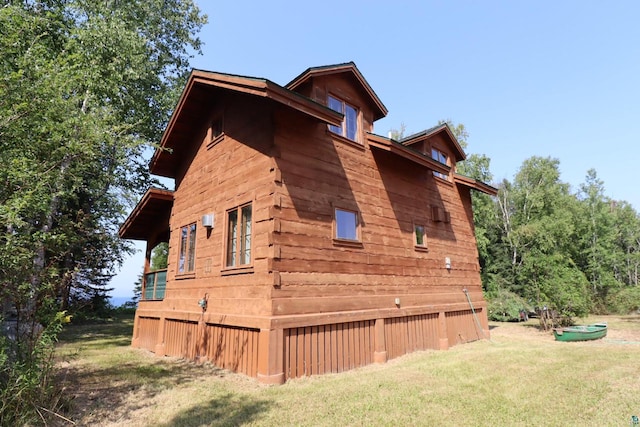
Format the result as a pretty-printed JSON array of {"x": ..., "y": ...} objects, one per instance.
[{"x": 539, "y": 78}]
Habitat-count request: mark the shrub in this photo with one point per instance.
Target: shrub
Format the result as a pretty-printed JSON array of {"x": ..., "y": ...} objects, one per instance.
[
  {"x": 505, "y": 306},
  {"x": 624, "y": 301},
  {"x": 27, "y": 390}
]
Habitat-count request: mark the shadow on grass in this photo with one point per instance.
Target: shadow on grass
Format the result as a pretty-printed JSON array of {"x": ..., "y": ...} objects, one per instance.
[
  {"x": 119, "y": 327},
  {"x": 227, "y": 410},
  {"x": 110, "y": 381}
]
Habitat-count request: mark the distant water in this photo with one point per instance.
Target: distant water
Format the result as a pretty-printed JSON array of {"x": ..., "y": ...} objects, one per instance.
[{"x": 118, "y": 301}]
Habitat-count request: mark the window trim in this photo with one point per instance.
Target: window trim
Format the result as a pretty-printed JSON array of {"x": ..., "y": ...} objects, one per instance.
[
  {"x": 343, "y": 127},
  {"x": 357, "y": 242},
  {"x": 237, "y": 267},
  {"x": 188, "y": 250}
]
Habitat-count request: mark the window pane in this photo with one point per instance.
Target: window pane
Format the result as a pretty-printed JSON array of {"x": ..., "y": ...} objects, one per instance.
[
  {"x": 231, "y": 238},
  {"x": 191, "y": 254},
  {"x": 161, "y": 284},
  {"x": 245, "y": 241},
  {"x": 335, "y": 105},
  {"x": 346, "y": 225},
  {"x": 351, "y": 117},
  {"x": 183, "y": 250},
  {"x": 419, "y": 230},
  {"x": 149, "y": 286}
]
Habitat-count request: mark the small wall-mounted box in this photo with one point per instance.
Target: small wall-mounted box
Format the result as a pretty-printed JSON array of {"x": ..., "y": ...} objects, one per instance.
[{"x": 207, "y": 220}]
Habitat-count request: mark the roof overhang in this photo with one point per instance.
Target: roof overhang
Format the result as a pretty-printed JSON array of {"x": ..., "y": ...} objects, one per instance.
[
  {"x": 199, "y": 82},
  {"x": 149, "y": 220},
  {"x": 379, "y": 112},
  {"x": 429, "y": 133},
  {"x": 391, "y": 146},
  {"x": 475, "y": 184}
]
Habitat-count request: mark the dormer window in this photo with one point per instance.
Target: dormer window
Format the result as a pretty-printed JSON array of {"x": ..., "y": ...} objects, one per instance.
[
  {"x": 349, "y": 127},
  {"x": 441, "y": 157},
  {"x": 216, "y": 128}
]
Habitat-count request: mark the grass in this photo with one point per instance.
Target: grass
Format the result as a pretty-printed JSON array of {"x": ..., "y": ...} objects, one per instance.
[{"x": 521, "y": 377}]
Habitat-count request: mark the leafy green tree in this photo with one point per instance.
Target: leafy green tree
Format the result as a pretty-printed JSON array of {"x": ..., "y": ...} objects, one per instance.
[
  {"x": 85, "y": 88},
  {"x": 596, "y": 236},
  {"x": 537, "y": 215},
  {"x": 159, "y": 256}
]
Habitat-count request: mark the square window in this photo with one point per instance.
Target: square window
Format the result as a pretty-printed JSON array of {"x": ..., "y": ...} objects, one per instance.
[
  {"x": 346, "y": 225},
  {"x": 239, "y": 236}
]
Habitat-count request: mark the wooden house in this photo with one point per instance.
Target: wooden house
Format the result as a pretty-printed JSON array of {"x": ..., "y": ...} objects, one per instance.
[{"x": 300, "y": 242}]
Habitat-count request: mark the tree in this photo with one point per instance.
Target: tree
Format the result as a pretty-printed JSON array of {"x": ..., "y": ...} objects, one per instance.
[{"x": 85, "y": 88}]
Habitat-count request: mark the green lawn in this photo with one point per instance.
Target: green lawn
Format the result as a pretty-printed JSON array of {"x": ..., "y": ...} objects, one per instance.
[{"x": 521, "y": 377}]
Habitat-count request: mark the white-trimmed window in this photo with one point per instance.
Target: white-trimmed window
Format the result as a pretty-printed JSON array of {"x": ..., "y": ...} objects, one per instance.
[
  {"x": 441, "y": 157},
  {"x": 238, "y": 236},
  {"x": 347, "y": 225},
  {"x": 349, "y": 127},
  {"x": 187, "y": 255}
]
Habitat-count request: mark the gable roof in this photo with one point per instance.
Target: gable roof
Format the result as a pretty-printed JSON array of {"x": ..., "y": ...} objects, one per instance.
[
  {"x": 405, "y": 151},
  {"x": 428, "y": 133},
  {"x": 189, "y": 107},
  {"x": 348, "y": 67}
]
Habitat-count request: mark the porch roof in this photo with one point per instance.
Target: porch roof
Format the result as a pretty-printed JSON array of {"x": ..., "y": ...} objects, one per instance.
[{"x": 149, "y": 220}]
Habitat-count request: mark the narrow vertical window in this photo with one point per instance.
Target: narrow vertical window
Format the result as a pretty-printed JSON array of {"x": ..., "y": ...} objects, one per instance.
[
  {"x": 239, "y": 231},
  {"x": 441, "y": 157},
  {"x": 349, "y": 127},
  {"x": 232, "y": 237},
  {"x": 187, "y": 255},
  {"x": 346, "y": 225},
  {"x": 420, "y": 238},
  {"x": 335, "y": 105},
  {"x": 245, "y": 248}
]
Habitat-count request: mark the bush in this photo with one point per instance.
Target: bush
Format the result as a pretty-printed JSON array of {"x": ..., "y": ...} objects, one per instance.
[
  {"x": 505, "y": 306},
  {"x": 27, "y": 391},
  {"x": 624, "y": 301}
]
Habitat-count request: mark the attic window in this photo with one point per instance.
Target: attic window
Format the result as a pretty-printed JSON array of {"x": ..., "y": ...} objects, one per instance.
[
  {"x": 216, "y": 128},
  {"x": 441, "y": 157},
  {"x": 349, "y": 127}
]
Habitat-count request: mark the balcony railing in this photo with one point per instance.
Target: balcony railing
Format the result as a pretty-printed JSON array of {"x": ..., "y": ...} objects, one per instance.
[{"x": 155, "y": 283}]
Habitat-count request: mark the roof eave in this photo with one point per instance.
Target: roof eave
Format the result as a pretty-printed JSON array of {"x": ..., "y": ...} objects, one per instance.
[
  {"x": 398, "y": 149},
  {"x": 151, "y": 194},
  {"x": 252, "y": 86},
  {"x": 475, "y": 184}
]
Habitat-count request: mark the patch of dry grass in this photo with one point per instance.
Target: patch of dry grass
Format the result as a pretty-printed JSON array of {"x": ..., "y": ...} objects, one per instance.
[{"x": 520, "y": 377}]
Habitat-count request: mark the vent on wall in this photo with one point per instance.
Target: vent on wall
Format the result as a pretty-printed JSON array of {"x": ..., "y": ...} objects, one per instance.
[{"x": 440, "y": 215}]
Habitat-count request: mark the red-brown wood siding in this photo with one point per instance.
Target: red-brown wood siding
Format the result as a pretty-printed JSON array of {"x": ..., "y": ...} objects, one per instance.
[
  {"x": 322, "y": 349},
  {"x": 147, "y": 332},
  {"x": 462, "y": 327},
  {"x": 235, "y": 349},
  {"x": 180, "y": 338},
  {"x": 411, "y": 333}
]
